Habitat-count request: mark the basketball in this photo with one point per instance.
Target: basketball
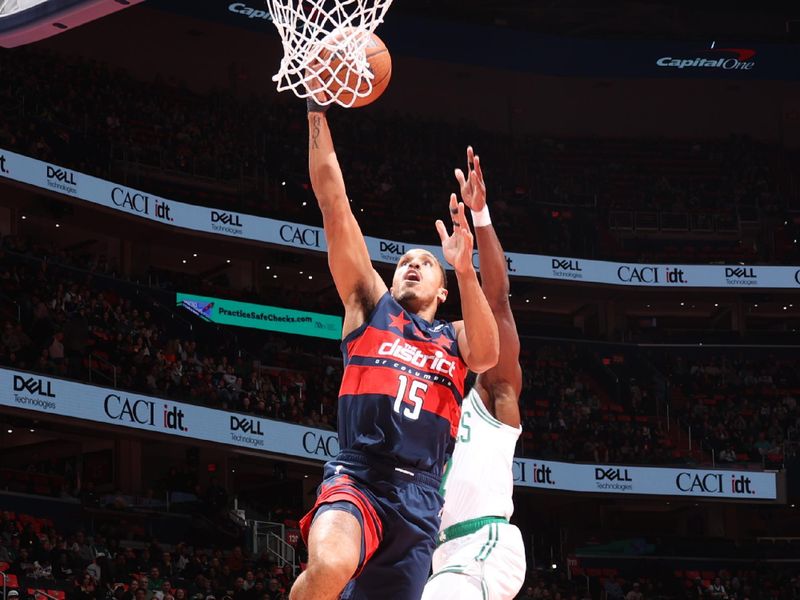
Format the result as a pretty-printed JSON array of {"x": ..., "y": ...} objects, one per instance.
[{"x": 339, "y": 79}]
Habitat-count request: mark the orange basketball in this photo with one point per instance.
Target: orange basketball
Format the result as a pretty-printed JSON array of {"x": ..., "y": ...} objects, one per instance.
[{"x": 380, "y": 63}]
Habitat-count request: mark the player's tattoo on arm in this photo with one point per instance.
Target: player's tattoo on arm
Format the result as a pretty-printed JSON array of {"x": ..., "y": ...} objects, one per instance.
[{"x": 315, "y": 130}]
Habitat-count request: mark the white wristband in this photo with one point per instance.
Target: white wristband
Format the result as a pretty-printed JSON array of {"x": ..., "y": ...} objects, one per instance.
[{"x": 481, "y": 218}]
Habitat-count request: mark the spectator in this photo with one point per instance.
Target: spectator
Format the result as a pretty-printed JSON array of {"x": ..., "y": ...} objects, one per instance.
[
  {"x": 613, "y": 589},
  {"x": 717, "y": 590},
  {"x": 634, "y": 593}
]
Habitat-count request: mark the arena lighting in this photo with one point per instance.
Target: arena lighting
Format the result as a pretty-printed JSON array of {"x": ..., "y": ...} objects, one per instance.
[
  {"x": 274, "y": 276},
  {"x": 58, "y": 224},
  {"x": 228, "y": 261},
  {"x": 10, "y": 430},
  {"x": 27, "y": 21},
  {"x": 32, "y": 430},
  {"x": 283, "y": 183},
  {"x": 194, "y": 254},
  {"x": 554, "y": 566},
  {"x": 527, "y": 300},
  {"x": 184, "y": 261},
  {"x": 311, "y": 277},
  {"x": 304, "y": 203},
  {"x": 683, "y": 303},
  {"x": 301, "y": 272},
  {"x": 544, "y": 297},
  {"x": 24, "y": 217},
  {"x": 267, "y": 267},
  {"x": 716, "y": 303}
]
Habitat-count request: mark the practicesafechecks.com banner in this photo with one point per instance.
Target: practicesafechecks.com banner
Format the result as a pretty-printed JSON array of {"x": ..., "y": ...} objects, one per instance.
[
  {"x": 656, "y": 481},
  {"x": 260, "y": 316},
  {"x": 19, "y": 389},
  {"x": 306, "y": 237}
]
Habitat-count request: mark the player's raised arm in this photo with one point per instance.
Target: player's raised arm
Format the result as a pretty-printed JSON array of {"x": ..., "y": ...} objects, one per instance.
[
  {"x": 494, "y": 276},
  {"x": 357, "y": 282},
  {"x": 477, "y": 333}
]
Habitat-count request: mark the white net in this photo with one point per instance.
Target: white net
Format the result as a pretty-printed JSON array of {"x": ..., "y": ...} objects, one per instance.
[{"x": 324, "y": 47}]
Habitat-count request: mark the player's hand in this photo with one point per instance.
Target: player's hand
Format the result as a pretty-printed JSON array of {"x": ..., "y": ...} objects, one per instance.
[
  {"x": 457, "y": 247},
  {"x": 473, "y": 189}
]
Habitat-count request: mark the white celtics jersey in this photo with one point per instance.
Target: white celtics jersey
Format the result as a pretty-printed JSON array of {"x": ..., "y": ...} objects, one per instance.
[{"x": 478, "y": 480}]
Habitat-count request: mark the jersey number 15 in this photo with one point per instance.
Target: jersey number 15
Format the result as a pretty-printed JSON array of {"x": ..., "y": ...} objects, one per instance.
[{"x": 415, "y": 395}]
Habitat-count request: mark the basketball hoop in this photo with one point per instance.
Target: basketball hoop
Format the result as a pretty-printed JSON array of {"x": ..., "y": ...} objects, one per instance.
[{"x": 324, "y": 43}]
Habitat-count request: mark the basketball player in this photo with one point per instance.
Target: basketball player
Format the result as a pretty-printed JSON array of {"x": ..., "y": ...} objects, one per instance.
[
  {"x": 480, "y": 555},
  {"x": 373, "y": 528}
]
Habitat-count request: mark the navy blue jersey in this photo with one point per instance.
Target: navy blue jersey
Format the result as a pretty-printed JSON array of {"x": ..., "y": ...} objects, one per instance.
[{"x": 400, "y": 399}]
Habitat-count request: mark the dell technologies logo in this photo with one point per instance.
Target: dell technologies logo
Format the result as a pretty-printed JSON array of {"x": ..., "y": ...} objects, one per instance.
[
  {"x": 61, "y": 180},
  {"x": 226, "y": 223},
  {"x": 743, "y": 276},
  {"x": 566, "y": 268}
]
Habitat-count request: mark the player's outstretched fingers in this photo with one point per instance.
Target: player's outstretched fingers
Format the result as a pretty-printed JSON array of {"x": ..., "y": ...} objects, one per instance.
[
  {"x": 460, "y": 178},
  {"x": 477, "y": 164},
  {"x": 441, "y": 230},
  {"x": 454, "y": 211},
  {"x": 462, "y": 218}
]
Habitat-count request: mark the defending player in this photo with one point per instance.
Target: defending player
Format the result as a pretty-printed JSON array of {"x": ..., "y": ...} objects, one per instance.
[
  {"x": 481, "y": 556},
  {"x": 373, "y": 528}
]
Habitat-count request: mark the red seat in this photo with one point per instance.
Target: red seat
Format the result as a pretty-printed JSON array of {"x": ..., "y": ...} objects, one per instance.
[
  {"x": 12, "y": 581},
  {"x": 58, "y": 594}
]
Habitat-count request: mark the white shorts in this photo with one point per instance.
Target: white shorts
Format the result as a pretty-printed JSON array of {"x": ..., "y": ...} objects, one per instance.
[{"x": 486, "y": 565}]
